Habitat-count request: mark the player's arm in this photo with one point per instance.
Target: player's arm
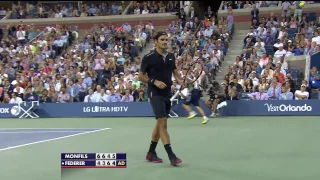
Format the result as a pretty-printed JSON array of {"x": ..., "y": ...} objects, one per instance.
[
  {"x": 143, "y": 77},
  {"x": 177, "y": 76},
  {"x": 143, "y": 70}
]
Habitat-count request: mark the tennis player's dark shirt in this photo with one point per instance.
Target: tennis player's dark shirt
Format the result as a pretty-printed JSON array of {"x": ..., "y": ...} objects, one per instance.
[{"x": 159, "y": 68}]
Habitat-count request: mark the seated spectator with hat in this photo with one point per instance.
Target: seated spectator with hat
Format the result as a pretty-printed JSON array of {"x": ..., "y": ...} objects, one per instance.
[{"x": 302, "y": 94}]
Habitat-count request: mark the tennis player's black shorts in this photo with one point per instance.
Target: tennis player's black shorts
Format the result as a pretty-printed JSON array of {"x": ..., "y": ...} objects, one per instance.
[
  {"x": 161, "y": 106},
  {"x": 222, "y": 99},
  {"x": 195, "y": 98}
]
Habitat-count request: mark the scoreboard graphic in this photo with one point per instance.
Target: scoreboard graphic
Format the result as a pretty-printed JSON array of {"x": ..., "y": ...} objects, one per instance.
[{"x": 93, "y": 160}]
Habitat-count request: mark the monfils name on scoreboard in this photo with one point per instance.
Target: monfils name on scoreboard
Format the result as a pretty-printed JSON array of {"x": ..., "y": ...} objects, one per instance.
[{"x": 76, "y": 156}]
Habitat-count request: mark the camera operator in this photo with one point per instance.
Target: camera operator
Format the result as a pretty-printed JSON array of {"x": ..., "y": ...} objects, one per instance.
[{"x": 217, "y": 95}]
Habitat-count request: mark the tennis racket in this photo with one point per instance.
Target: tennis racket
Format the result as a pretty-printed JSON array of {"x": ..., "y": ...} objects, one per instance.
[{"x": 190, "y": 76}]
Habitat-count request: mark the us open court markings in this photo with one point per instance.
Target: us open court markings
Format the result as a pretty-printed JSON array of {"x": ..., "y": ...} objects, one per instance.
[{"x": 76, "y": 131}]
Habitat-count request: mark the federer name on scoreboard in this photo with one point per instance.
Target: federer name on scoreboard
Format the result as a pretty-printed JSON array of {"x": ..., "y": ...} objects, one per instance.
[{"x": 93, "y": 160}]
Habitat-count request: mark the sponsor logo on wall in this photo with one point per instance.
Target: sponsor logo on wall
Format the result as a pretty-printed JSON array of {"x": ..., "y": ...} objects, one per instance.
[{"x": 288, "y": 108}]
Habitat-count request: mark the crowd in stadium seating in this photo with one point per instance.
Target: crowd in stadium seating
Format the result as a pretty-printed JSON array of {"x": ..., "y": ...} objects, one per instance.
[
  {"x": 101, "y": 66},
  {"x": 248, "y": 4},
  {"x": 209, "y": 42},
  {"x": 151, "y": 7},
  {"x": 28, "y": 59},
  {"x": 63, "y": 9},
  {"x": 262, "y": 68}
]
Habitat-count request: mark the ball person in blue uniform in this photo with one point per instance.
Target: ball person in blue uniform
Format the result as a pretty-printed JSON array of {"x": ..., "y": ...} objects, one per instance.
[
  {"x": 156, "y": 69},
  {"x": 194, "y": 93}
]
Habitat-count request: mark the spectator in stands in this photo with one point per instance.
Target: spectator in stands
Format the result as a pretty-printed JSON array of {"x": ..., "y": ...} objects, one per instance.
[
  {"x": 90, "y": 97},
  {"x": 45, "y": 98},
  {"x": 247, "y": 5},
  {"x": 281, "y": 52},
  {"x": 15, "y": 99},
  {"x": 225, "y": 5},
  {"x": 314, "y": 80},
  {"x": 192, "y": 14},
  {"x": 63, "y": 97},
  {"x": 30, "y": 95},
  {"x": 286, "y": 9},
  {"x": 298, "y": 10},
  {"x": 254, "y": 13},
  {"x": 232, "y": 95},
  {"x": 261, "y": 95},
  {"x": 101, "y": 97},
  {"x": 113, "y": 97},
  {"x": 239, "y": 5},
  {"x": 73, "y": 91},
  {"x": 302, "y": 94},
  {"x": 145, "y": 10},
  {"x": 274, "y": 90},
  {"x": 208, "y": 14},
  {"x": 127, "y": 97},
  {"x": 286, "y": 94},
  {"x": 182, "y": 15}
]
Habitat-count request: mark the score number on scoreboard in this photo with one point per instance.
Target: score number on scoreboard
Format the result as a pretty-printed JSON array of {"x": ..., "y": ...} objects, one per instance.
[
  {"x": 93, "y": 160},
  {"x": 106, "y": 159},
  {"x": 106, "y": 155}
]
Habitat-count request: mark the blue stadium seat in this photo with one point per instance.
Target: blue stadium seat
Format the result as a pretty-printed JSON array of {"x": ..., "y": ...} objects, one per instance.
[
  {"x": 295, "y": 73},
  {"x": 314, "y": 95},
  {"x": 291, "y": 36},
  {"x": 292, "y": 31},
  {"x": 269, "y": 50},
  {"x": 244, "y": 96}
]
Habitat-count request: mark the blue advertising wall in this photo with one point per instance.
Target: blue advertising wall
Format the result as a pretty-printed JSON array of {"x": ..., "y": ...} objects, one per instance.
[
  {"x": 272, "y": 108},
  {"x": 68, "y": 110},
  {"x": 315, "y": 61},
  {"x": 144, "y": 109}
]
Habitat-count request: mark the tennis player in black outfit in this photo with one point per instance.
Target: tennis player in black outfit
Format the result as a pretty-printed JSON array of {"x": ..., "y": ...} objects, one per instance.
[{"x": 156, "y": 69}]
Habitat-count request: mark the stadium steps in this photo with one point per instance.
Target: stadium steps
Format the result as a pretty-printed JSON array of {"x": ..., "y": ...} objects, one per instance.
[
  {"x": 147, "y": 49},
  {"x": 235, "y": 49}
]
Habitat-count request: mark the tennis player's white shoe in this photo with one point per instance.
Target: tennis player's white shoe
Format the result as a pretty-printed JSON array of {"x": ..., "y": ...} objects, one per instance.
[
  {"x": 192, "y": 115},
  {"x": 205, "y": 120}
]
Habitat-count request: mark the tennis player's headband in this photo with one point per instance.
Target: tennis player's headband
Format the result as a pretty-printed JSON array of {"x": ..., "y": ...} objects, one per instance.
[{"x": 160, "y": 33}]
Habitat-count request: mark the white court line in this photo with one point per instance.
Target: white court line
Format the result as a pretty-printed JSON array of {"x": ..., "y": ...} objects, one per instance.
[
  {"x": 53, "y": 139},
  {"x": 6, "y": 129},
  {"x": 30, "y": 132}
]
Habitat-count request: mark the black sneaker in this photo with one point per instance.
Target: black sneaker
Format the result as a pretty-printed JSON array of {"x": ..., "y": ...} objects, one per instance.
[
  {"x": 174, "y": 160},
  {"x": 152, "y": 157}
]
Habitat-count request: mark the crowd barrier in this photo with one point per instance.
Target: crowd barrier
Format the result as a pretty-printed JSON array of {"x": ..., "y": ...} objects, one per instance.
[
  {"x": 144, "y": 109},
  {"x": 76, "y": 110}
]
